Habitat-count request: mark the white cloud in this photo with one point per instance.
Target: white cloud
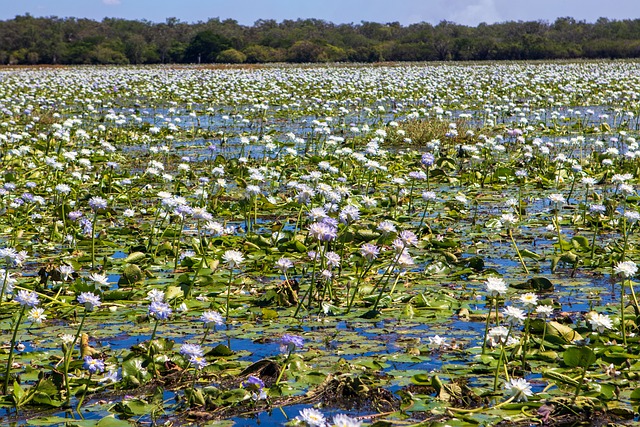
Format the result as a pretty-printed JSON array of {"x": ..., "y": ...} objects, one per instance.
[
  {"x": 111, "y": 2},
  {"x": 479, "y": 11}
]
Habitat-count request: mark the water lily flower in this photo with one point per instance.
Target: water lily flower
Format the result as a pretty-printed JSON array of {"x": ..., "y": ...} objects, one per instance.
[
  {"x": 66, "y": 272},
  {"x": 513, "y": 315},
  {"x": 155, "y": 295},
  {"x": 99, "y": 279},
  {"x": 96, "y": 203},
  {"x": 27, "y": 298},
  {"x": 160, "y": 310},
  {"x": 530, "y": 300},
  {"x": 290, "y": 342},
  {"x": 283, "y": 264},
  {"x": 496, "y": 286},
  {"x": 427, "y": 159},
  {"x": 93, "y": 365},
  {"x": 90, "y": 300},
  {"x": 212, "y": 318},
  {"x": 312, "y": 417},
  {"x": 437, "y": 341},
  {"x": 544, "y": 310},
  {"x": 600, "y": 322},
  {"x": 36, "y": 315},
  {"x": 233, "y": 258},
  {"x": 626, "y": 268},
  {"x": 322, "y": 231},
  {"x": 189, "y": 350},
  {"x": 369, "y": 251},
  {"x": 557, "y": 198},
  {"x": 518, "y": 389}
]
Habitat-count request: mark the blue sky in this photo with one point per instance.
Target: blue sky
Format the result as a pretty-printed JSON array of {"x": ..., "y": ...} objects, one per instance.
[{"x": 468, "y": 12}]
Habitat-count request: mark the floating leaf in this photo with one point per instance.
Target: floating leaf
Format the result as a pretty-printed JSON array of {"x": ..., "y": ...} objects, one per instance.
[
  {"x": 580, "y": 242},
  {"x": 635, "y": 395},
  {"x": 538, "y": 284},
  {"x": 111, "y": 421},
  {"x": 268, "y": 314},
  {"x": 561, "y": 332},
  {"x": 582, "y": 357},
  {"x": 560, "y": 378},
  {"x": 220, "y": 350},
  {"x": 135, "y": 258},
  {"x": 131, "y": 274},
  {"x": 526, "y": 253}
]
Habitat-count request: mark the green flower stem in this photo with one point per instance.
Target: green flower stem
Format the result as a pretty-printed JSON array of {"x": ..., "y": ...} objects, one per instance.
[
  {"x": 515, "y": 245},
  {"x": 203, "y": 248},
  {"x": 255, "y": 211},
  {"x": 153, "y": 229},
  {"x": 4, "y": 283},
  {"x": 584, "y": 209},
  {"x": 519, "y": 208},
  {"x": 410, "y": 198},
  {"x": 428, "y": 185},
  {"x": 149, "y": 353},
  {"x": 424, "y": 214},
  {"x": 625, "y": 233},
  {"x": 176, "y": 244},
  {"x": 557, "y": 224},
  {"x": 387, "y": 273},
  {"x": 486, "y": 327},
  {"x": 284, "y": 366},
  {"x": 395, "y": 206},
  {"x": 153, "y": 334},
  {"x": 383, "y": 285},
  {"x": 193, "y": 386},
  {"x": 500, "y": 359},
  {"x": 544, "y": 333},
  {"x": 67, "y": 357},
  {"x": 635, "y": 300},
  {"x": 573, "y": 184},
  {"x": 5, "y": 386},
  {"x": 576, "y": 393},
  {"x": 295, "y": 229},
  {"x": 93, "y": 240},
  {"x": 525, "y": 340},
  {"x": 495, "y": 379},
  {"x": 84, "y": 393},
  {"x": 366, "y": 190},
  {"x": 593, "y": 241},
  {"x": 395, "y": 283},
  {"x": 206, "y": 333},
  {"x": 622, "y": 320},
  {"x": 309, "y": 292},
  {"x": 64, "y": 219},
  {"x": 229, "y": 292},
  {"x": 355, "y": 290}
]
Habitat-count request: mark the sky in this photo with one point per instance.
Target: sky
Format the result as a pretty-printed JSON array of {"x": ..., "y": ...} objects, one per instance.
[{"x": 246, "y": 12}]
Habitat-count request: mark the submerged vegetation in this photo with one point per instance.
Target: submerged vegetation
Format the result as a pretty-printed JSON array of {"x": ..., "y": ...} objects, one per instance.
[{"x": 320, "y": 245}]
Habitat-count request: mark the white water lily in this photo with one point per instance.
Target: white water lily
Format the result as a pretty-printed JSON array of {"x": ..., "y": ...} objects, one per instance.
[{"x": 519, "y": 389}]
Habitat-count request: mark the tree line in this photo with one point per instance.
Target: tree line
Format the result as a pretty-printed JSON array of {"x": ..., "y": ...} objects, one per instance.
[{"x": 52, "y": 40}]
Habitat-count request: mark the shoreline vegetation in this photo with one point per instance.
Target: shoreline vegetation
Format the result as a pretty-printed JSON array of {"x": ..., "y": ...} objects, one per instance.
[{"x": 29, "y": 40}]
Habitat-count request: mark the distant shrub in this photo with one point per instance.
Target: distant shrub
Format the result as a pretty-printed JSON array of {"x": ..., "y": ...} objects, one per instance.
[{"x": 231, "y": 56}]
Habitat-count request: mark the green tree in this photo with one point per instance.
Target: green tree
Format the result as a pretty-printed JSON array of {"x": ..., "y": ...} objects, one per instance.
[
  {"x": 304, "y": 51},
  {"x": 205, "y": 47}
]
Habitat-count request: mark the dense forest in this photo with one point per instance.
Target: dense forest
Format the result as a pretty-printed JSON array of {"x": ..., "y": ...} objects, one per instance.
[{"x": 52, "y": 40}]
